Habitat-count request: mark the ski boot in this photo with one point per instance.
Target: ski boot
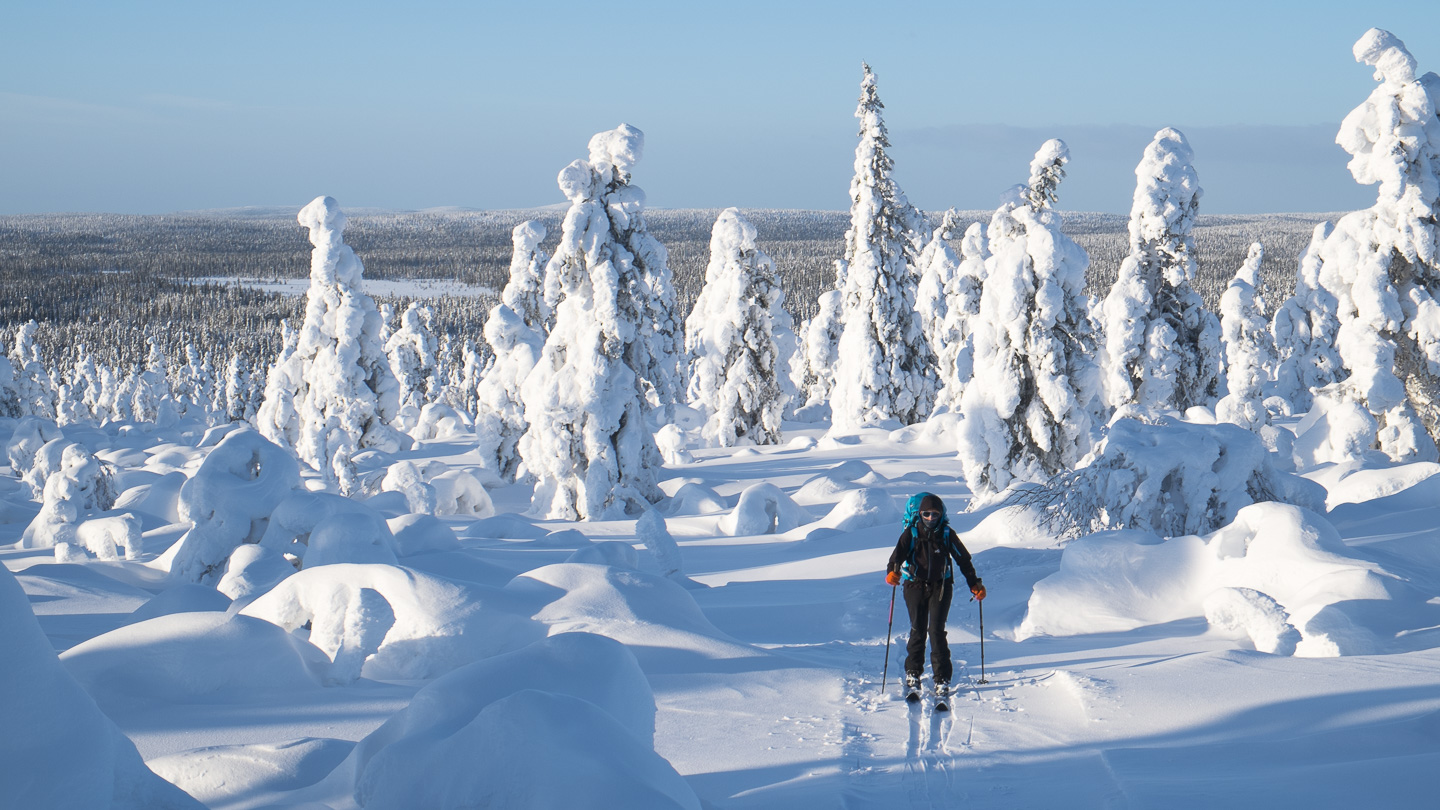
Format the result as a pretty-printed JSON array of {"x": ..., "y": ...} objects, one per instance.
[
  {"x": 942, "y": 696},
  {"x": 912, "y": 687}
]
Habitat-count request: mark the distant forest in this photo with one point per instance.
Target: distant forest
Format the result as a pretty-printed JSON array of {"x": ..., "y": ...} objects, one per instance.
[{"x": 111, "y": 281}]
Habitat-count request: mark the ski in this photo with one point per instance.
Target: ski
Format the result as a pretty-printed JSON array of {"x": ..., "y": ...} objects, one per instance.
[
  {"x": 912, "y": 689},
  {"x": 942, "y": 697}
]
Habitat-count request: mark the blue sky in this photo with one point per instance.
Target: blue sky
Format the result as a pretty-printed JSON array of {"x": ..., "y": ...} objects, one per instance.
[{"x": 159, "y": 107}]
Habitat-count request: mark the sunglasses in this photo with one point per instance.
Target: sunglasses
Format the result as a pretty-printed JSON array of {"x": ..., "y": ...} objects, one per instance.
[{"x": 927, "y": 515}]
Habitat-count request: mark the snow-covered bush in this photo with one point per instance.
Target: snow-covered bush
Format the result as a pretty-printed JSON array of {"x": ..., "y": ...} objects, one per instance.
[
  {"x": 228, "y": 502},
  {"x": 764, "y": 509},
  {"x": 1030, "y": 405},
  {"x": 438, "y": 421},
  {"x": 252, "y": 570},
  {"x": 1171, "y": 478},
  {"x": 884, "y": 369},
  {"x": 335, "y": 394},
  {"x": 589, "y": 444},
  {"x": 1162, "y": 347},
  {"x": 1249, "y": 347},
  {"x": 430, "y": 625},
  {"x": 1381, "y": 264},
  {"x": 652, "y": 531},
  {"x": 499, "y": 404},
  {"x": 31, "y": 434},
  {"x": 296, "y": 520},
  {"x": 80, "y": 486},
  {"x": 111, "y": 538},
  {"x": 404, "y": 477},
  {"x": 460, "y": 492},
  {"x": 734, "y": 366},
  {"x": 1289, "y": 560}
]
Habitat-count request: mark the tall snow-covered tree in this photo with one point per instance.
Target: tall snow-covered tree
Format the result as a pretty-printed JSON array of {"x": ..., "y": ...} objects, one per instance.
[
  {"x": 1028, "y": 410},
  {"x": 734, "y": 365},
  {"x": 1249, "y": 346},
  {"x": 589, "y": 444},
  {"x": 885, "y": 368},
  {"x": 1383, "y": 264},
  {"x": 524, "y": 294},
  {"x": 334, "y": 393},
  {"x": 1304, "y": 330},
  {"x": 33, "y": 383},
  {"x": 499, "y": 407},
  {"x": 956, "y": 359},
  {"x": 410, "y": 351},
  {"x": 1162, "y": 347},
  {"x": 937, "y": 266}
]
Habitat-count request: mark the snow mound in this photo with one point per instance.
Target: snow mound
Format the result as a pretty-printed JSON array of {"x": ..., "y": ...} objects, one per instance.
[
  {"x": 862, "y": 509},
  {"x": 218, "y": 774},
  {"x": 185, "y": 597},
  {"x": 228, "y": 501},
  {"x": 1250, "y": 613},
  {"x": 652, "y": 531},
  {"x": 1010, "y": 526},
  {"x": 823, "y": 488},
  {"x": 333, "y": 528},
  {"x": 656, "y": 617},
  {"x": 459, "y": 492},
  {"x": 504, "y": 526},
  {"x": 610, "y": 552},
  {"x": 510, "y": 754},
  {"x": 192, "y": 658},
  {"x": 112, "y": 537},
  {"x": 58, "y": 749},
  {"x": 1117, "y": 581},
  {"x": 418, "y": 534},
  {"x": 253, "y": 570},
  {"x": 764, "y": 509},
  {"x": 394, "y": 623},
  {"x": 563, "y": 538},
  {"x": 159, "y": 495},
  {"x": 694, "y": 499},
  {"x": 1358, "y": 482},
  {"x": 414, "y": 744}
]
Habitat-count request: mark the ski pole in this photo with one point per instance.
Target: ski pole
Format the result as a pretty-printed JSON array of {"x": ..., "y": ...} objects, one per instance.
[
  {"x": 981, "y": 605},
  {"x": 888, "y": 628}
]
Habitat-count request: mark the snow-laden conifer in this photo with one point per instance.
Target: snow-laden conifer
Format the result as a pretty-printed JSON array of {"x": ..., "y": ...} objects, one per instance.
[
  {"x": 937, "y": 266},
  {"x": 734, "y": 366},
  {"x": 334, "y": 393},
  {"x": 33, "y": 384},
  {"x": 411, "y": 354},
  {"x": 815, "y": 371},
  {"x": 956, "y": 359},
  {"x": 1249, "y": 346},
  {"x": 1028, "y": 409},
  {"x": 1304, "y": 330},
  {"x": 524, "y": 294},
  {"x": 885, "y": 368},
  {"x": 499, "y": 406},
  {"x": 1162, "y": 347},
  {"x": 589, "y": 444},
  {"x": 1381, "y": 264}
]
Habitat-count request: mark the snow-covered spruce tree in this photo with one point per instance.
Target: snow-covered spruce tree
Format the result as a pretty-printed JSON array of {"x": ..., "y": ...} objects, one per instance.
[
  {"x": 1304, "y": 330},
  {"x": 937, "y": 266},
  {"x": 814, "y": 375},
  {"x": 411, "y": 353},
  {"x": 957, "y": 360},
  {"x": 734, "y": 367},
  {"x": 885, "y": 369},
  {"x": 1249, "y": 347},
  {"x": 524, "y": 294},
  {"x": 334, "y": 393},
  {"x": 499, "y": 406},
  {"x": 1028, "y": 410},
  {"x": 1162, "y": 347},
  {"x": 1383, "y": 264},
  {"x": 33, "y": 383},
  {"x": 589, "y": 444}
]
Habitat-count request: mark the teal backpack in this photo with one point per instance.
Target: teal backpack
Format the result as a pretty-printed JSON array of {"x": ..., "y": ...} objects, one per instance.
[{"x": 912, "y": 519}]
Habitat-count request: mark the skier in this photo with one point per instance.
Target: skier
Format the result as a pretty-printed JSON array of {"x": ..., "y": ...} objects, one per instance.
[{"x": 922, "y": 560}]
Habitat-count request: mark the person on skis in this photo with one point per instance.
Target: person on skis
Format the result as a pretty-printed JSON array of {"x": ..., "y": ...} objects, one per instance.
[{"x": 922, "y": 561}]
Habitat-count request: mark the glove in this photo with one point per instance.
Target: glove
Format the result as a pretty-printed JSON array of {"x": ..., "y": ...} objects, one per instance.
[
  {"x": 978, "y": 592},
  {"x": 892, "y": 578}
]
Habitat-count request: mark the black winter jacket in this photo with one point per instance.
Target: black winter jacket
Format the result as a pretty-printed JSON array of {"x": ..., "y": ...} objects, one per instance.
[{"x": 931, "y": 560}]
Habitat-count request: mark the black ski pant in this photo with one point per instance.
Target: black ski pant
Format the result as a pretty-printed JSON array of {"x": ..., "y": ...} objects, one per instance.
[{"x": 929, "y": 606}]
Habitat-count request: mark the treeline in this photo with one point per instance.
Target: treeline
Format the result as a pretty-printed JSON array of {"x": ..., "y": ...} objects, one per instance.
[{"x": 112, "y": 282}]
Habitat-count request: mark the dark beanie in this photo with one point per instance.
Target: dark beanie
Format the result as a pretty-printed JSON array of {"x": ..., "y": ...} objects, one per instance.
[{"x": 931, "y": 503}]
